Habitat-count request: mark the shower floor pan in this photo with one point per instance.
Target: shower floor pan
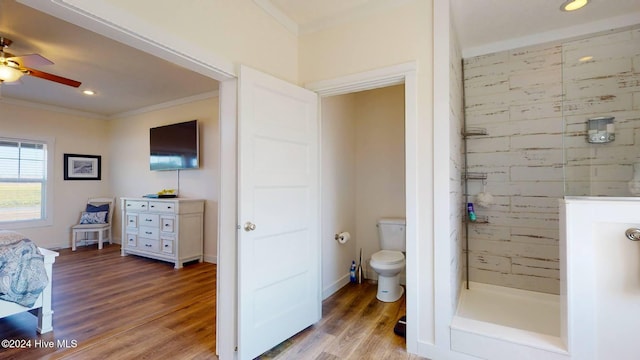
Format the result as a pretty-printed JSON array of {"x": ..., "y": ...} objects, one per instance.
[{"x": 495, "y": 322}]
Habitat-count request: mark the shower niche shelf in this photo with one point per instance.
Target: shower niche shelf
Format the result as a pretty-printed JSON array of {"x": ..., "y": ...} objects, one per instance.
[
  {"x": 480, "y": 219},
  {"x": 475, "y": 176},
  {"x": 474, "y": 132}
]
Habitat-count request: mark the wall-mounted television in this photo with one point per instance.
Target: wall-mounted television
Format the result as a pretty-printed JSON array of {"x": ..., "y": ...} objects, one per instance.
[{"x": 174, "y": 146}]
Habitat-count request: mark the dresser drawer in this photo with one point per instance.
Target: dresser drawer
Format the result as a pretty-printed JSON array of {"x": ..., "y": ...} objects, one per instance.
[
  {"x": 137, "y": 205},
  {"x": 132, "y": 240},
  {"x": 151, "y": 220},
  {"x": 167, "y": 246},
  {"x": 167, "y": 224},
  {"x": 149, "y": 232},
  {"x": 132, "y": 220},
  {"x": 149, "y": 244},
  {"x": 160, "y": 206}
]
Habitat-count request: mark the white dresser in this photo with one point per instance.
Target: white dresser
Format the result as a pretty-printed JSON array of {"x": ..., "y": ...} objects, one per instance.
[{"x": 163, "y": 229}]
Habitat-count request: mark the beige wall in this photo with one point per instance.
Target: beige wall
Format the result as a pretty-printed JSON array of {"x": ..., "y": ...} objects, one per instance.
[
  {"x": 362, "y": 175},
  {"x": 380, "y": 168},
  {"x": 338, "y": 189},
  {"x": 124, "y": 147},
  {"x": 72, "y": 134},
  {"x": 388, "y": 37},
  {"x": 130, "y": 174}
]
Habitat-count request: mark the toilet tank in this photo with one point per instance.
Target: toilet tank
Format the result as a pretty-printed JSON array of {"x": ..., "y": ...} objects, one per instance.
[{"x": 392, "y": 234}]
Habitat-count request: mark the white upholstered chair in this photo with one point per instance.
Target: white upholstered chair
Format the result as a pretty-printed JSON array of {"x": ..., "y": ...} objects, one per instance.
[{"x": 102, "y": 229}]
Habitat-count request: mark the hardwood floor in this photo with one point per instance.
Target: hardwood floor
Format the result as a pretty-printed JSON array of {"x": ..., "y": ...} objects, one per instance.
[
  {"x": 354, "y": 325},
  {"x": 115, "y": 307}
]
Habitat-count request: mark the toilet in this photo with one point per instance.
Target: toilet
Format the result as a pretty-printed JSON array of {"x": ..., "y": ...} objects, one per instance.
[{"x": 389, "y": 262}]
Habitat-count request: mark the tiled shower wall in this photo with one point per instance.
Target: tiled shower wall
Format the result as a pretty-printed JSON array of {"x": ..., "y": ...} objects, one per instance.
[
  {"x": 517, "y": 96},
  {"x": 607, "y": 84}
]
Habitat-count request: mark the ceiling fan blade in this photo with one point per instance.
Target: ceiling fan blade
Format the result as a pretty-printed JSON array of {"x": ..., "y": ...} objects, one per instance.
[
  {"x": 31, "y": 60},
  {"x": 51, "y": 77}
]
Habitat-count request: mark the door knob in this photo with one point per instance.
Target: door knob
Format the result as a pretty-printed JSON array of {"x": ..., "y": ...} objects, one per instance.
[
  {"x": 633, "y": 234},
  {"x": 249, "y": 226}
]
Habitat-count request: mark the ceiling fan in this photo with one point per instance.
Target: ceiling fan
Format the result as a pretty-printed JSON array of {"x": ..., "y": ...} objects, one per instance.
[{"x": 12, "y": 68}]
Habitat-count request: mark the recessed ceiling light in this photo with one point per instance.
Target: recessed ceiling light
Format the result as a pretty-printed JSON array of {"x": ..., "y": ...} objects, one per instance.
[
  {"x": 571, "y": 5},
  {"x": 585, "y": 58},
  {"x": 89, "y": 92}
]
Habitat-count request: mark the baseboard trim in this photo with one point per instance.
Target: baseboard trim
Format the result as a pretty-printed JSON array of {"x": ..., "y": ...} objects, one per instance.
[
  {"x": 211, "y": 259},
  {"x": 337, "y": 285}
]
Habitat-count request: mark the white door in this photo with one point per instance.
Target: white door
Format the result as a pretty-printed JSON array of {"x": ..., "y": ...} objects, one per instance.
[{"x": 279, "y": 235}]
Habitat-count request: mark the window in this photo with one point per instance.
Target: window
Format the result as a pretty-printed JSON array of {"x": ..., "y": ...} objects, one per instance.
[{"x": 24, "y": 189}]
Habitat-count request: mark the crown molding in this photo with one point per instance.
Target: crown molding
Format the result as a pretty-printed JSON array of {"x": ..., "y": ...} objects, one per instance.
[
  {"x": 278, "y": 15},
  {"x": 91, "y": 115},
  {"x": 165, "y": 105},
  {"x": 58, "y": 109},
  {"x": 373, "y": 6},
  {"x": 370, "y": 8}
]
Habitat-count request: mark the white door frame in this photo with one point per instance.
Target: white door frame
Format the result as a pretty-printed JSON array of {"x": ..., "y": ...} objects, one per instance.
[
  {"x": 394, "y": 75},
  {"x": 227, "y": 284}
]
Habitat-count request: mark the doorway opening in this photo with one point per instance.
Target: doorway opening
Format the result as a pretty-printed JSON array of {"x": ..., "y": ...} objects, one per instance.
[
  {"x": 340, "y": 155},
  {"x": 363, "y": 181}
]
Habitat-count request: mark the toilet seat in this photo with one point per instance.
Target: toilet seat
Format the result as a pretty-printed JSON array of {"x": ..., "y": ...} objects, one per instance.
[{"x": 388, "y": 257}]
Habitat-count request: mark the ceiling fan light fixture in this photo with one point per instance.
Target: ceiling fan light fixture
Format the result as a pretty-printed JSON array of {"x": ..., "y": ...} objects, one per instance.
[
  {"x": 572, "y": 5},
  {"x": 9, "y": 74}
]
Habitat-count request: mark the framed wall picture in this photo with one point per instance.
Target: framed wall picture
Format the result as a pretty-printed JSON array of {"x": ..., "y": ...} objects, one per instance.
[{"x": 82, "y": 167}]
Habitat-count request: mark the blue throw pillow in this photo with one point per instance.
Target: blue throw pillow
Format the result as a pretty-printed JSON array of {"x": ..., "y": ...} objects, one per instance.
[
  {"x": 99, "y": 217},
  {"x": 93, "y": 208}
]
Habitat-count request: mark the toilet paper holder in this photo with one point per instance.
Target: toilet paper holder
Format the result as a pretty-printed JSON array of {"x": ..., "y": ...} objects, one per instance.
[{"x": 342, "y": 237}]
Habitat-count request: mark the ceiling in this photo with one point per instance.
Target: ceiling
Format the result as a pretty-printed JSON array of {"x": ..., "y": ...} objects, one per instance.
[{"x": 126, "y": 79}]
